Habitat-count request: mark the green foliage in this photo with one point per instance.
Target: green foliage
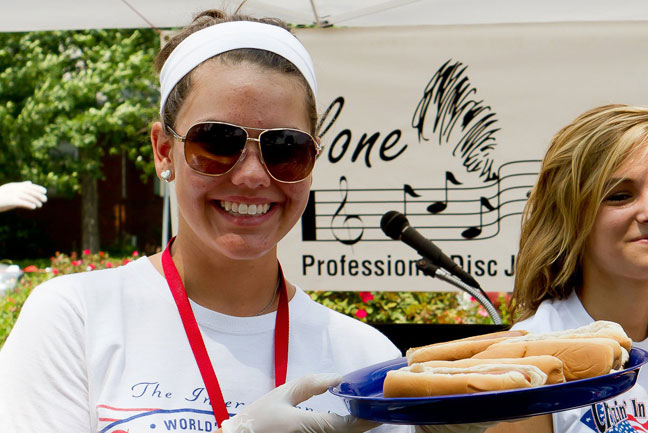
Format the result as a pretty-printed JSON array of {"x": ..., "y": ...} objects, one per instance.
[
  {"x": 69, "y": 97},
  {"x": 413, "y": 307}
]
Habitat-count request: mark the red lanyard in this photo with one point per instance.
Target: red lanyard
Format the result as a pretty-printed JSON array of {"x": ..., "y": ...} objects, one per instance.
[{"x": 198, "y": 345}]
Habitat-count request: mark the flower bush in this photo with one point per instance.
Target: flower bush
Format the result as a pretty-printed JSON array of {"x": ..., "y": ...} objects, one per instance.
[
  {"x": 414, "y": 307},
  {"x": 371, "y": 307}
]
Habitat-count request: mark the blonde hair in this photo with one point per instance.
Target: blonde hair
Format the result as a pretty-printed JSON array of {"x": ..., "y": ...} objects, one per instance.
[{"x": 563, "y": 204}]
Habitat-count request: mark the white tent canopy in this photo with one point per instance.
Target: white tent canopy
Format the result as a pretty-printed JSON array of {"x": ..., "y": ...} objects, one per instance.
[{"x": 28, "y": 15}]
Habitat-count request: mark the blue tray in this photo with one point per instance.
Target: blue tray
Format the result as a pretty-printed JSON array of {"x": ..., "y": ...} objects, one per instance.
[{"x": 361, "y": 391}]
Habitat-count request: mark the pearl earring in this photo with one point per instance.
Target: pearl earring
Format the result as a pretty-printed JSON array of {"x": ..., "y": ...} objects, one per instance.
[{"x": 166, "y": 175}]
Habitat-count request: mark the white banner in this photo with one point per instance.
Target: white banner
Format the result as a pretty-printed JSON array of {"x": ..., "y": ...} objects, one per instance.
[{"x": 446, "y": 125}]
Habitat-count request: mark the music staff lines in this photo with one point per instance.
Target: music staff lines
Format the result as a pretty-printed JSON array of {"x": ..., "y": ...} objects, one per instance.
[
  {"x": 413, "y": 201},
  {"x": 414, "y": 215},
  {"x": 423, "y": 189},
  {"x": 455, "y": 211},
  {"x": 381, "y": 237}
]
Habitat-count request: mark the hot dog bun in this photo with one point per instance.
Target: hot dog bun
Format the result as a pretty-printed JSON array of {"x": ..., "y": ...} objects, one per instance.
[
  {"x": 458, "y": 349},
  {"x": 421, "y": 381},
  {"x": 582, "y": 358},
  {"x": 598, "y": 329},
  {"x": 549, "y": 365}
]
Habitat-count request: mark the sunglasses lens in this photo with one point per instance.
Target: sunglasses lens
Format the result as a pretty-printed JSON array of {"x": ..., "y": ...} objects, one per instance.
[
  {"x": 214, "y": 148},
  {"x": 288, "y": 154}
]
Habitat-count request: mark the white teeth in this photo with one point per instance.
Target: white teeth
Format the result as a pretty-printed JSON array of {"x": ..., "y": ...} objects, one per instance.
[{"x": 245, "y": 209}]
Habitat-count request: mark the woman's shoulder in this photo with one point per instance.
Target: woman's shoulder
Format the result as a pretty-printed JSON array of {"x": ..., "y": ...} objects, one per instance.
[
  {"x": 72, "y": 302},
  {"x": 101, "y": 283},
  {"x": 556, "y": 315}
]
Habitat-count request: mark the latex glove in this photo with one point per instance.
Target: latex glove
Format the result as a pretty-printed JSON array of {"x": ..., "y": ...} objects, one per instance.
[
  {"x": 478, "y": 427},
  {"x": 275, "y": 412},
  {"x": 21, "y": 194}
]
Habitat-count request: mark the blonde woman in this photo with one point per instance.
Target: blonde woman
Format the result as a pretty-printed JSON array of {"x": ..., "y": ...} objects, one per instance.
[{"x": 584, "y": 251}]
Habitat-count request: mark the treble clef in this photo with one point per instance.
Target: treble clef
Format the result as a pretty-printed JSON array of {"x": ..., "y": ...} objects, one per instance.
[{"x": 350, "y": 223}]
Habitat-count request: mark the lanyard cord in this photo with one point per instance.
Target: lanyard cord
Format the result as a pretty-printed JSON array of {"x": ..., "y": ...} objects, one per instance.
[{"x": 198, "y": 345}]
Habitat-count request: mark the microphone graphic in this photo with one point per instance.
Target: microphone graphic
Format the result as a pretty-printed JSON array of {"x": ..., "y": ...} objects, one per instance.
[{"x": 396, "y": 226}]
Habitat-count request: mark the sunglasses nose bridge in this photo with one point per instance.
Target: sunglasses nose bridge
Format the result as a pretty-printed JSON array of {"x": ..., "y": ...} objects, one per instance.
[
  {"x": 258, "y": 146},
  {"x": 244, "y": 154}
]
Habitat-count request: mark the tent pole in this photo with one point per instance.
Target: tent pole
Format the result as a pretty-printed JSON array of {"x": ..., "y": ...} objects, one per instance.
[{"x": 317, "y": 18}]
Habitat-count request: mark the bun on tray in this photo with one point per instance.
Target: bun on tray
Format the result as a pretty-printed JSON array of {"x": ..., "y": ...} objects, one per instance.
[
  {"x": 419, "y": 380},
  {"x": 458, "y": 349},
  {"x": 582, "y": 357},
  {"x": 509, "y": 360},
  {"x": 551, "y": 366}
]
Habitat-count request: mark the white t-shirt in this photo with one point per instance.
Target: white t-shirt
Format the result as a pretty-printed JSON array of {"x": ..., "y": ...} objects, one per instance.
[
  {"x": 105, "y": 351},
  {"x": 622, "y": 414}
]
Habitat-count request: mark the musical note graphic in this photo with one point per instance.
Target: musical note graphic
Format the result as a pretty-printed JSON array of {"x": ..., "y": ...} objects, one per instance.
[
  {"x": 474, "y": 231},
  {"x": 408, "y": 191},
  {"x": 451, "y": 211},
  {"x": 440, "y": 206}
]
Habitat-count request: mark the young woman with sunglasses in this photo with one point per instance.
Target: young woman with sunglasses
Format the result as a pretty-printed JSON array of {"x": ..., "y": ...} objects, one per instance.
[
  {"x": 208, "y": 329},
  {"x": 584, "y": 252}
]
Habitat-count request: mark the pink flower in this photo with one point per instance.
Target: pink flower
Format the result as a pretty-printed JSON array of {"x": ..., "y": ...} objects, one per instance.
[
  {"x": 76, "y": 262},
  {"x": 360, "y": 313},
  {"x": 109, "y": 264},
  {"x": 92, "y": 267},
  {"x": 86, "y": 252},
  {"x": 126, "y": 261},
  {"x": 482, "y": 312},
  {"x": 55, "y": 271},
  {"x": 135, "y": 253},
  {"x": 31, "y": 268},
  {"x": 365, "y": 296}
]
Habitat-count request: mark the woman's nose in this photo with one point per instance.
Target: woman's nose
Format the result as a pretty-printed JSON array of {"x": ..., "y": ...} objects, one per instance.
[
  {"x": 642, "y": 212},
  {"x": 250, "y": 171}
]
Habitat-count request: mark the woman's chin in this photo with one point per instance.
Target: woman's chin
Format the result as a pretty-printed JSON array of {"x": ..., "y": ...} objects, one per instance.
[{"x": 237, "y": 247}]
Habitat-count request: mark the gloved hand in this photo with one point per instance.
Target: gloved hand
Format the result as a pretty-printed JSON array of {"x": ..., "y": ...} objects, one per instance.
[
  {"x": 478, "y": 427},
  {"x": 21, "y": 194},
  {"x": 275, "y": 412}
]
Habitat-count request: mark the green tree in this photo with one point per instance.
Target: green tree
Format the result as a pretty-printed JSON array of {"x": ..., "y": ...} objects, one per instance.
[{"x": 67, "y": 98}]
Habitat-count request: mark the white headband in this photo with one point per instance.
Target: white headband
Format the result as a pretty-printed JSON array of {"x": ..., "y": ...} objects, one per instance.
[{"x": 219, "y": 38}]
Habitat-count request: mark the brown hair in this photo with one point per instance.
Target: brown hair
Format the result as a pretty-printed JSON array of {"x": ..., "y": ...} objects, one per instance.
[
  {"x": 563, "y": 204},
  {"x": 262, "y": 58}
]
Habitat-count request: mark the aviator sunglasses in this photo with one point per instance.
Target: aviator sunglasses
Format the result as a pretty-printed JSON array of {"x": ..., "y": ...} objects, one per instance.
[{"x": 214, "y": 148}]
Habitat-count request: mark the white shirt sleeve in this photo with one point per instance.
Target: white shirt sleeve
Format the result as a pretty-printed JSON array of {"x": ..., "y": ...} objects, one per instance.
[{"x": 43, "y": 379}]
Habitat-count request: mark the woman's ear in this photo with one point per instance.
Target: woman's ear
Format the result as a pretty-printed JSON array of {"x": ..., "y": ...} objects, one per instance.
[
  {"x": 162, "y": 148},
  {"x": 319, "y": 143}
]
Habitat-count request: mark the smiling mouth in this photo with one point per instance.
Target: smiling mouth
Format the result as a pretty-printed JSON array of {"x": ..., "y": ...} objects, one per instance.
[{"x": 244, "y": 209}]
